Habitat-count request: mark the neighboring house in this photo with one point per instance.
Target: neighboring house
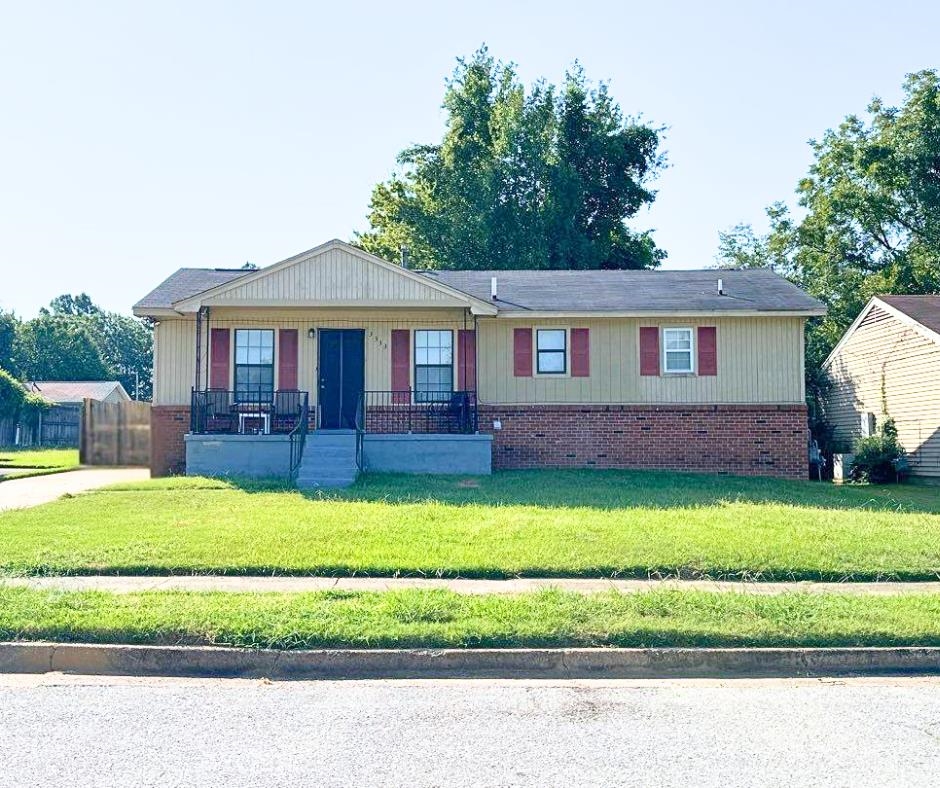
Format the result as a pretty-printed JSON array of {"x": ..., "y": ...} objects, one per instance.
[
  {"x": 443, "y": 370},
  {"x": 60, "y": 425},
  {"x": 887, "y": 365}
]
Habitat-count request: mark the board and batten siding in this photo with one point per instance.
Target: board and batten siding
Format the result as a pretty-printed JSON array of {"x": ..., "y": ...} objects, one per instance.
[
  {"x": 335, "y": 276},
  {"x": 175, "y": 343},
  {"x": 760, "y": 361},
  {"x": 889, "y": 369}
]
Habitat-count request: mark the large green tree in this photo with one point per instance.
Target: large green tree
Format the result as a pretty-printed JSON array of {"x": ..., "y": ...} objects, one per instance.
[
  {"x": 74, "y": 339},
  {"x": 544, "y": 178},
  {"x": 870, "y": 215}
]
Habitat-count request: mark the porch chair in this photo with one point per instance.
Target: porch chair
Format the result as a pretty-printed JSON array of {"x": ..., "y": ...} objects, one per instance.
[
  {"x": 288, "y": 407},
  {"x": 219, "y": 415}
]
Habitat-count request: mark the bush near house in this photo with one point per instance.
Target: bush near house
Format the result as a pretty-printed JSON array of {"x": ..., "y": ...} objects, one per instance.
[{"x": 879, "y": 458}]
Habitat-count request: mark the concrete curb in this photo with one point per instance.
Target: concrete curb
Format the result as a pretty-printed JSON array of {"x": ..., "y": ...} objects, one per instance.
[{"x": 600, "y": 663}]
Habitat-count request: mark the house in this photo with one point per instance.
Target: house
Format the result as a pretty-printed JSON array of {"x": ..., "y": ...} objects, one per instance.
[
  {"x": 396, "y": 369},
  {"x": 887, "y": 365},
  {"x": 74, "y": 392},
  {"x": 60, "y": 425}
]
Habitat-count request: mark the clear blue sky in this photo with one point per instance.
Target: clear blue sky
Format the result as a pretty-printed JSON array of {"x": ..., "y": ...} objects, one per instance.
[{"x": 138, "y": 138}]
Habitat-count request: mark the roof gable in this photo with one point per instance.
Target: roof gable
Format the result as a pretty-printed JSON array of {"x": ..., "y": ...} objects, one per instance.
[
  {"x": 334, "y": 274},
  {"x": 78, "y": 390},
  {"x": 892, "y": 305}
]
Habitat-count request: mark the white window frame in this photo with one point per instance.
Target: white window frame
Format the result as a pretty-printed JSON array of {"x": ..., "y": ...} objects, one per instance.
[
  {"x": 415, "y": 364},
  {"x": 233, "y": 356},
  {"x": 691, "y": 351},
  {"x": 535, "y": 352}
]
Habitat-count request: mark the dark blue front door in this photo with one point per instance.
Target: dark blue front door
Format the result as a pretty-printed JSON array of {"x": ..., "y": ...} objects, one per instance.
[{"x": 342, "y": 376}]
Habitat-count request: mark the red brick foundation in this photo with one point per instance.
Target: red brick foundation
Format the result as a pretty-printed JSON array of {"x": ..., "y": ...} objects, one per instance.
[
  {"x": 753, "y": 440},
  {"x": 168, "y": 425}
]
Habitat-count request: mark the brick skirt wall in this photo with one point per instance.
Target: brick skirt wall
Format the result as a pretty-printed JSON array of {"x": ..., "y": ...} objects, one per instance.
[
  {"x": 753, "y": 440},
  {"x": 168, "y": 425}
]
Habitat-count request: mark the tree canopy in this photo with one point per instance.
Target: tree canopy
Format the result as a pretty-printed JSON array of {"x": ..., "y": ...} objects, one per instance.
[
  {"x": 74, "y": 339},
  {"x": 871, "y": 212},
  {"x": 544, "y": 178},
  {"x": 869, "y": 221}
]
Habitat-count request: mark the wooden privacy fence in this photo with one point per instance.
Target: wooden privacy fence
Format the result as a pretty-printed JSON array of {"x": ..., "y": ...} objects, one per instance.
[
  {"x": 115, "y": 433},
  {"x": 60, "y": 426}
]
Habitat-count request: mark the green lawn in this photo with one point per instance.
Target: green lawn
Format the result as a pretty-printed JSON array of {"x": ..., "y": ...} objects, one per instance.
[
  {"x": 437, "y": 619},
  {"x": 35, "y": 462},
  {"x": 539, "y": 523}
]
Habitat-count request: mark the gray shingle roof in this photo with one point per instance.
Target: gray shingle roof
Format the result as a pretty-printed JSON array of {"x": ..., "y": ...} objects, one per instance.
[
  {"x": 925, "y": 309},
  {"x": 633, "y": 291},
  {"x": 570, "y": 291},
  {"x": 185, "y": 283}
]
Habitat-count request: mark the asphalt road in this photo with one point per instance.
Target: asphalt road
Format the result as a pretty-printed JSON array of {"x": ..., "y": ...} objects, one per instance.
[{"x": 57, "y": 730}]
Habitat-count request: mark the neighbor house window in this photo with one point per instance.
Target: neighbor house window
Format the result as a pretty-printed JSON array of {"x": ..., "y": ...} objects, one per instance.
[
  {"x": 677, "y": 348},
  {"x": 434, "y": 366},
  {"x": 551, "y": 351},
  {"x": 254, "y": 365}
]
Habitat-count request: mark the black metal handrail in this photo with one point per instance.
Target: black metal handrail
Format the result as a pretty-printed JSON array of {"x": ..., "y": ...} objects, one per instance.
[
  {"x": 225, "y": 411},
  {"x": 298, "y": 438},
  {"x": 406, "y": 411}
]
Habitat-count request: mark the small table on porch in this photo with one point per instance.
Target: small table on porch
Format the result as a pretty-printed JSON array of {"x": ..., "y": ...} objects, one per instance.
[{"x": 263, "y": 416}]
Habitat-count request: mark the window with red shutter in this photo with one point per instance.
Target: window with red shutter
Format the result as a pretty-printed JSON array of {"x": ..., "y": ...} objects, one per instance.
[
  {"x": 401, "y": 365},
  {"x": 219, "y": 351},
  {"x": 707, "y": 350},
  {"x": 287, "y": 359},
  {"x": 580, "y": 353},
  {"x": 649, "y": 350},
  {"x": 467, "y": 360},
  {"x": 522, "y": 352}
]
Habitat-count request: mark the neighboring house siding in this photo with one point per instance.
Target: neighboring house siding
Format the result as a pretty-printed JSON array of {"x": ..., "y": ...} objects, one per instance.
[
  {"x": 760, "y": 361},
  {"x": 888, "y": 368},
  {"x": 335, "y": 276}
]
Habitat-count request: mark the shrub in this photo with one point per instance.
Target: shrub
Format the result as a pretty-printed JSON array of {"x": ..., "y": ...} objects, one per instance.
[
  {"x": 877, "y": 456},
  {"x": 18, "y": 403}
]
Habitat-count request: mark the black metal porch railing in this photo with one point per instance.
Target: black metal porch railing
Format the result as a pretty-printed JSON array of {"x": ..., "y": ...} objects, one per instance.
[
  {"x": 389, "y": 412},
  {"x": 248, "y": 411}
]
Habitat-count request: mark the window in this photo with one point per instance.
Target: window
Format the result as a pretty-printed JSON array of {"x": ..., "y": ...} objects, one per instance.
[
  {"x": 434, "y": 366},
  {"x": 254, "y": 365},
  {"x": 677, "y": 344},
  {"x": 551, "y": 351}
]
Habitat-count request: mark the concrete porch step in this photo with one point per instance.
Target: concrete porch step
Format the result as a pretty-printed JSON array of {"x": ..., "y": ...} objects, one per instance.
[{"x": 329, "y": 460}]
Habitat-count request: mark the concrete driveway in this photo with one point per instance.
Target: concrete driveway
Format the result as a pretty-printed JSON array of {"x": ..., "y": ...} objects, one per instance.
[{"x": 22, "y": 493}]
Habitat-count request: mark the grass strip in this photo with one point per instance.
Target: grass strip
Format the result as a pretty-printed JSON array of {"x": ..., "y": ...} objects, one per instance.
[
  {"x": 439, "y": 619},
  {"x": 529, "y": 524},
  {"x": 38, "y": 458}
]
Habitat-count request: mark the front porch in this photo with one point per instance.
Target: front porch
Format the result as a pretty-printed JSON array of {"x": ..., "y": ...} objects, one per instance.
[{"x": 260, "y": 433}]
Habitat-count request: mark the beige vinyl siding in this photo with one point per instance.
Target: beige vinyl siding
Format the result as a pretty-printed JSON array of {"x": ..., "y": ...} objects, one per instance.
[
  {"x": 174, "y": 355},
  {"x": 335, "y": 276},
  {"x": 888, "y": 368},
  {"x": 760, "y": 361}
]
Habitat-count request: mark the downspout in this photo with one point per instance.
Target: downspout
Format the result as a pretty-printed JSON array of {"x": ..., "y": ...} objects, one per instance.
[
  {"x": 197, "y": 381},
  {"x": 208, "y": 334}
]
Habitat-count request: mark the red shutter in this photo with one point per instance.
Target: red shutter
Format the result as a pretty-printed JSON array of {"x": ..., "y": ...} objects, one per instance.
[
  {"x": 401, "y": 365},
  {"x": 522, "y": 352},
  {"x": 649, "y": 350},
  {"x": 287, "y": 359},
  {"x": 219, "y": 358},
  {"x": 707, "y": 350},
  {"x": 580, "y": 353},
  {"x": 467, "y": 360}
]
